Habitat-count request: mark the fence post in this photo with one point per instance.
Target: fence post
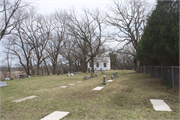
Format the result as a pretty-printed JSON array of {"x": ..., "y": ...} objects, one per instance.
[
  {"x": 161, "y": 73},
  {"x": 172, "y": 77},
  {"x": 155, "y": 72}
]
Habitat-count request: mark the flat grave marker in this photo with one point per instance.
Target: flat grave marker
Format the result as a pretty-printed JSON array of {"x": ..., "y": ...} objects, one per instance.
[
  {"x": 3, "y": 84},
  {"x": 71, "y": 84},
  {"x": 109, "y": 80},
  {"x": 56, "y": 115},
  {"x": 7, "y": 78},
  {"x": 63, "y": 86},
  {"x": 78, "y": 81},
  {"x": 98, "y": 88},
  {"x": 22, "y": 99},
  {"x": 160, "y": 105}
]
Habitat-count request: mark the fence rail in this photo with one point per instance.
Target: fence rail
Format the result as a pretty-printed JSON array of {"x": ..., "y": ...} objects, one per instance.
[{"x": 168, "y": 74}]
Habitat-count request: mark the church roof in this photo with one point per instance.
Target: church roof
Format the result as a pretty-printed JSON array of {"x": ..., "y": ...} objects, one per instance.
[{"x": 101, "y": 59}]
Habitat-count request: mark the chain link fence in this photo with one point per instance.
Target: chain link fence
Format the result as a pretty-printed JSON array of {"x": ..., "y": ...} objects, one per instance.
[{"x": 167, "y": 74}]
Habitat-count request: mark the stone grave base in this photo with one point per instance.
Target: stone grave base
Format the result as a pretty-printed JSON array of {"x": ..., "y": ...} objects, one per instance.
[
  {"x": 22, "y": 99},
  {"x": 56, "y": 115},
  {"x": 63, "y": 86},
  {"x": 160, "y": 105},
  {"x": 71, "y": 84},
  {"x": 78, "y": 81},
  {"x": 109, "y": 80},
  {"x": 97, "y": 88}
]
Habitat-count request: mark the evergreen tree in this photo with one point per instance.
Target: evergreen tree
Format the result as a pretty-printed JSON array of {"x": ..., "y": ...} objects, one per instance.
[
  {"x": 159, "y": 44},
  {"x": 114, "y": 60}
]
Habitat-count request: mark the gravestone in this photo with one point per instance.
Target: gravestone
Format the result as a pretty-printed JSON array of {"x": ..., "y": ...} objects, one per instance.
[
  {"x": 104, "y": 80},
  {"x": 116, "y": 74},
  {"x": 89, "y": 70},
  {"x": 21, "y": 77},
  {"x": 96, "y": 75},
  {"x": 86, "y": 77},
  {"x": 29, "y": 76},
  {"x": 3, "y": 84},
  {"x": 68, "y": 75},
  {"x": 92, "y": 74},
  {"x": 7, "y": 78},
  {"x": 71, "y": 74},
  {"x": 112, "y": 77}
]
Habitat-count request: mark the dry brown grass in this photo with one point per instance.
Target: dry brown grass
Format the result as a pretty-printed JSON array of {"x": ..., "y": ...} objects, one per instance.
[{"x": 127, "y": 97}]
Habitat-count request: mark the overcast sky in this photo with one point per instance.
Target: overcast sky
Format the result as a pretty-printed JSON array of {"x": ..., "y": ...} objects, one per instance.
[{"x": 49, "y": 6}]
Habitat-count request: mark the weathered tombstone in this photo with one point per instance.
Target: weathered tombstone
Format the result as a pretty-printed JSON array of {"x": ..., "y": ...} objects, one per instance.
[
  {"x": 101, "y": 70},
  {"x": 104, "y": 80},
  {"x": 89, "y": 70},
  {"x": 112, "y": 77},
  {"x": 92, "y": 74},
  {"x": 21, "y": 76},
  {"x": 96, "y": 75},
  {"x": 7, "y": 78},
  {"x": 116, "y": 74},
  {"x": 68, "y": 75},
  {"x": 86, "y": 77},
  {"x": 71, "y": 74},
  {"x": 29, "y": 76},
  {"x": 3, "y": 84}
]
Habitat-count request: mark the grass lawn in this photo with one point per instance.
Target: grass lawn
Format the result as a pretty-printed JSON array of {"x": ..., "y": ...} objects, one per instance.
[{"x": 127, "y": 97}]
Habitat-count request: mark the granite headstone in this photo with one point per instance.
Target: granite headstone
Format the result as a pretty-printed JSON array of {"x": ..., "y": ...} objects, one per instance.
[
  {"x": 86, "y": 77},
  {"x": 3, "y": 84}
]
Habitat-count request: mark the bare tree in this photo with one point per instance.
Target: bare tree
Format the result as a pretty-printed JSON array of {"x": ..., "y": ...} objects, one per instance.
[
  {"x": 68, "y": 51},
  {"x": 88, "y": 33},
  {"x": 9, "y": 57},
  {"x": 37, "y": 29},
  {"x": 57, "y": 41},
  {"x": 20, "y": 48},
  {"x": 11, "y": 12},
  {"x": 129, "y": 17}
]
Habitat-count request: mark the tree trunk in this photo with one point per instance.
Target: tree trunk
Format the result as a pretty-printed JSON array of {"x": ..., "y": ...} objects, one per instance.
[
  {"x": 9, "y": 66},
  {"x": 28, "y": 67},
  {"x": 46, "y": 67},
  {"x": 32, "y": 70},
  {"x": 54, "y": 68},
  {"x": 92, "y": 70},
  {"x": 38, "y": 69},
  {"x": 138, "y": 67},
  {"x": 84, "y": 66}
]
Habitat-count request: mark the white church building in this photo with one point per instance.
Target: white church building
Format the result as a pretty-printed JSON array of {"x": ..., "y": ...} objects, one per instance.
[{"x": 100, "y": 63}]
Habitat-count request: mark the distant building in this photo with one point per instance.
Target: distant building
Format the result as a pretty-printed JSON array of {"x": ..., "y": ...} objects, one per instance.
[{"x": 101, "y": 62}]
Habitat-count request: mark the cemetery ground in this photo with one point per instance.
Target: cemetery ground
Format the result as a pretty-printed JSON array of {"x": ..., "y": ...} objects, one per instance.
[{"x": 127, "y": 97}]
